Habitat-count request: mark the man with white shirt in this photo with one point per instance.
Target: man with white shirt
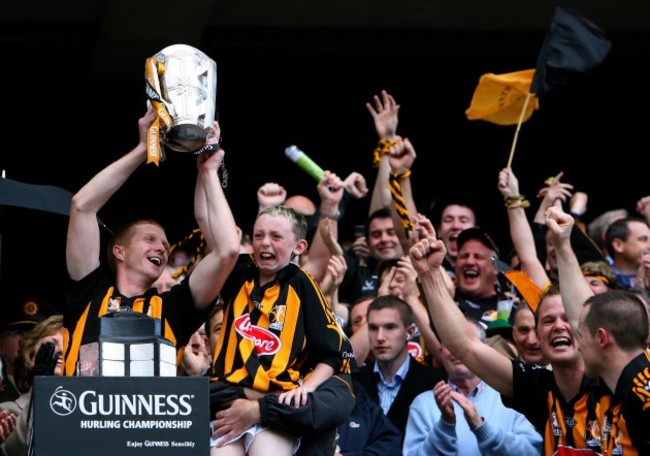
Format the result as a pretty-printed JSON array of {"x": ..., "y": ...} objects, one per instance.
[{"x": 466, "y": 416}]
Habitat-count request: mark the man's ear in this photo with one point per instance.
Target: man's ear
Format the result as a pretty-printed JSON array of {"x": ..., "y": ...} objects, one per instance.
[
  {"x": 604, "y": 338},
  {"x": 118, "y": 252},
  {"x": 300, "y": 247},
  {"x": 410, "y": 330},
  {"x": 617, "y": 244}
]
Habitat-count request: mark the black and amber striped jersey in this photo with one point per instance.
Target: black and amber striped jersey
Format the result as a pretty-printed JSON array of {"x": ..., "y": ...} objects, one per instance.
[
  {"x": 96, "y": 295},
  {"x": 274, "y": 335},
  {"x": 630, "y": 417},
  {"x": 566, "y": 426}
]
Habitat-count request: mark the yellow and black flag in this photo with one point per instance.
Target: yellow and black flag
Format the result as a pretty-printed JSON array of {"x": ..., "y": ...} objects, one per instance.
[{"x": 501, "y": 98}]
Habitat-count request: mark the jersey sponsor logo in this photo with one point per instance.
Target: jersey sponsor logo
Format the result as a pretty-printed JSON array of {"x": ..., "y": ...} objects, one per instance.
[
  {"x": 570, "y": 451},
  {"x": 414, "y": 349},
  {"x": 277, "y": 316},
  {"x": 266, "y": 343}
]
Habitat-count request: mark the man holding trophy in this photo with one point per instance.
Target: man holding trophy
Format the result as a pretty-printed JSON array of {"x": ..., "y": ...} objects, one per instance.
[{"x": 138, "y": 254}]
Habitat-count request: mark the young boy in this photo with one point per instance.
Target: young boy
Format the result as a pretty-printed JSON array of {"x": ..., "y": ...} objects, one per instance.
[{"x": 279, "y": 334}]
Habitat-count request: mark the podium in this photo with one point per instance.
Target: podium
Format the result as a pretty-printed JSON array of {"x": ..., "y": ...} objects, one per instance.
[{"x": 108, "y": 416}]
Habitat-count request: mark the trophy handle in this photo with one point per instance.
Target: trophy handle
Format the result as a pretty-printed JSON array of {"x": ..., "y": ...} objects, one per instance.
[{"x": 155, "y": 152}]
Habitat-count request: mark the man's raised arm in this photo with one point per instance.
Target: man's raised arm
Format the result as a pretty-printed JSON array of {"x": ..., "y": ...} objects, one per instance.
[
  {"x": 574, "y": 289},
  {"x": 83, "y": 243},
  {"x": 427, "y": 255},
  {"x": 217, "y": 223}
]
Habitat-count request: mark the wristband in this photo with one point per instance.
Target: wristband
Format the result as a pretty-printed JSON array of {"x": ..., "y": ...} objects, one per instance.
[{"x": 335, "y": 217}]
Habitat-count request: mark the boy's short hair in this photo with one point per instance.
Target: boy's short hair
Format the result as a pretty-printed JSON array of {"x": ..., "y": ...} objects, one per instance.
[
  {"x": 298, "y": 221},
  {"x": 393, "y": 302}
]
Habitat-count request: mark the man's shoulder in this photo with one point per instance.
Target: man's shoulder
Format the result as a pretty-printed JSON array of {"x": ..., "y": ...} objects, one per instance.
[
  {"x": 365, "y": 376},
  {"x": 97, "y": 282},
  {"x": 634, "y": 377},
  {"x": 366, "y": 371}
]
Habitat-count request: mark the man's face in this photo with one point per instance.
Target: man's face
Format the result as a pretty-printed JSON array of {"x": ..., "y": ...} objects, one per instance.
[
  {"x": 199, "y": 342},
  {"x": 455, "y": 369},
  {"x": 589, "y": 346},
  {"x": 453, "y": 220},
  {"x": 9, "y": 344},
  {"x": 383, "y": 242},
  {"x": 556, "y": 339},
  {"x": 215, "y": 330},
  {"x": 387, "y": 335},
  {"x": 358, "y": 314},
  {"x": 145, "y": 252},
  {"x": 596, "y": 285},
  {"x": 396, "y": 281},
  {"x": 476, "y": 273},
  {"x": 551, "y": 256},
  {"x": 301, "y": 204},
  {"x": 180, "y": 259},
  {"x": 637, "y": 242},
  {"x": 525, "y": 337}
]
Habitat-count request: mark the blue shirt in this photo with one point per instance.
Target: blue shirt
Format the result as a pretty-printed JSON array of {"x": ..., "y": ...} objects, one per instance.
[
  {"x": 625, "y": 281},
  {"x": 504, "y": 431},
  {"x": 388, "y": 391}
]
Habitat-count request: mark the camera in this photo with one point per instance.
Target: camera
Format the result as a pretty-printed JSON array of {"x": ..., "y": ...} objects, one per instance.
[{"x": 359, "y": 231}]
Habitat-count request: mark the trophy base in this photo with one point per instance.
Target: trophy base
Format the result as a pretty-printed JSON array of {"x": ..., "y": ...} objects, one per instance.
[{"x": 185, "y": 138}]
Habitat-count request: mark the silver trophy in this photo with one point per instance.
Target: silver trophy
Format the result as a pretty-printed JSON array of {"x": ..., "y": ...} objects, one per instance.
[{"x": 182, "y": 82}]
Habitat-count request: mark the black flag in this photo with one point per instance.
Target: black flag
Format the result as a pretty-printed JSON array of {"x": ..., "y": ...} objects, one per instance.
[{"x": 573, "y": 46}]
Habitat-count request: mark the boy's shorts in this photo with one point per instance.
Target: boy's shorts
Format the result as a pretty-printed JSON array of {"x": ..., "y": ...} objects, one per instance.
[{"x": 248, "y": 435}]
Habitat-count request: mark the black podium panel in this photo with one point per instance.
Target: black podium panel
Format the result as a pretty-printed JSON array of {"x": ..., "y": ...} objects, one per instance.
[{"x": 108, "y": 416}]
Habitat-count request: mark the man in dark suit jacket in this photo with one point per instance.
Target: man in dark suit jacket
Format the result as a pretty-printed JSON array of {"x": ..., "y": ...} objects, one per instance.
[{"x": 395, "y": 378}]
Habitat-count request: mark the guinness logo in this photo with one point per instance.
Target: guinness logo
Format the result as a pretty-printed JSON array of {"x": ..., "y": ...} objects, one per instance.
[{"x": 63, "y": 402}]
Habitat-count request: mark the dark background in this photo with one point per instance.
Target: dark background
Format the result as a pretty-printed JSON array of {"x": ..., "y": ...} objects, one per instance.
[{"x": 72, "y": 104}]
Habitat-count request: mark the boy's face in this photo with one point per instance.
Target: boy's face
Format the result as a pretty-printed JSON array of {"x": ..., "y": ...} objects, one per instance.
[
  {"x": 275, "y": 243},
  {"x": 387, "y": 334}
]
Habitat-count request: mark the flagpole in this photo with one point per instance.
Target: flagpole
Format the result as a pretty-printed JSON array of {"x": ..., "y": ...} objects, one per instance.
[{"x": 521, "y": 120}]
